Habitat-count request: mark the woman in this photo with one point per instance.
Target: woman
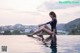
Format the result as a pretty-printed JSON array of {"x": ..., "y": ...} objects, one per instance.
[{"x": 45, "y": 28}]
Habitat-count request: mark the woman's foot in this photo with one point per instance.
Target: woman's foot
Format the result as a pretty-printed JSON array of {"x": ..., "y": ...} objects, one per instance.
[{"x": 29, "y": 35}]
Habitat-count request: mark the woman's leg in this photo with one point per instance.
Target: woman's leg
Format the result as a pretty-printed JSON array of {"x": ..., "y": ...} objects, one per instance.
[
  {"x": 48, "y": 38},
  {"x": 43, "y": 29},
  {"x": 36, "y": 32},
  {"x": 40, "y": 35}
]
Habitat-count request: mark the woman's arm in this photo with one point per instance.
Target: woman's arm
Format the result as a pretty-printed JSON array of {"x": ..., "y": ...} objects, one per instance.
[
  {"x": 48, "y": 22},
  {"x": 45, "y": 23}
]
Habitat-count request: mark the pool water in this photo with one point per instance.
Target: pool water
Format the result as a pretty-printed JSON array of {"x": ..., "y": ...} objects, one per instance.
[{"x": 24, "y": 44}]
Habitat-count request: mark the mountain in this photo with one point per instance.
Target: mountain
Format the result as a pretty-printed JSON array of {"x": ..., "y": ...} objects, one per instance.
[
  {"x": 60, "y": 26},
  {"x": 75, "y": 31},
  {"x": 72, "y": 24},
  {"x": 73, "y": 27},
  {"x": 23, "y": 29}
]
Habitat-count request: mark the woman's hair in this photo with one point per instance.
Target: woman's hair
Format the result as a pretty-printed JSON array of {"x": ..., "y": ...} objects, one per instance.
[{"x": 52, "y": 13}]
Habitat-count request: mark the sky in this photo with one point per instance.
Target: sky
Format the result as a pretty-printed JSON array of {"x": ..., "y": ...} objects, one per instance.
[{"x": 35, "y": 12}]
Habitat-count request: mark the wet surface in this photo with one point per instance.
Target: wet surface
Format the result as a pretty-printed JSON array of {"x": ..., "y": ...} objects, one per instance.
[{"x": 24, "y": 44}]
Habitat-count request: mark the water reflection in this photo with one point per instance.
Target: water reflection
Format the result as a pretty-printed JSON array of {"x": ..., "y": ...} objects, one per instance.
[
  {"x": 23, "y": 44},
  {"x": 54, "y": 49},
  {"x": 54, "y": 44}
]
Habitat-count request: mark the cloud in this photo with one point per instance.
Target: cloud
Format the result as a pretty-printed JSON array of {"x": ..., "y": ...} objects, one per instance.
[
  {"x": 22, "y": 5},
  {"x": 65, "y": 12},
  {"x": 48, "y": 5},
  {"x": 11, "y": 17}
]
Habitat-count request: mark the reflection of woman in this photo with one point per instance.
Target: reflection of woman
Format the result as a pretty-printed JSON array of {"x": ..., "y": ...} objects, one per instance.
[
  {"x": 45, "y": 28},
  {"x": 54, "y": 49}
]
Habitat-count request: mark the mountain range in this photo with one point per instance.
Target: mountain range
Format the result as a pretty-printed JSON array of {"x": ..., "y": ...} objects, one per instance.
[{"x": 68, "y": 27}]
